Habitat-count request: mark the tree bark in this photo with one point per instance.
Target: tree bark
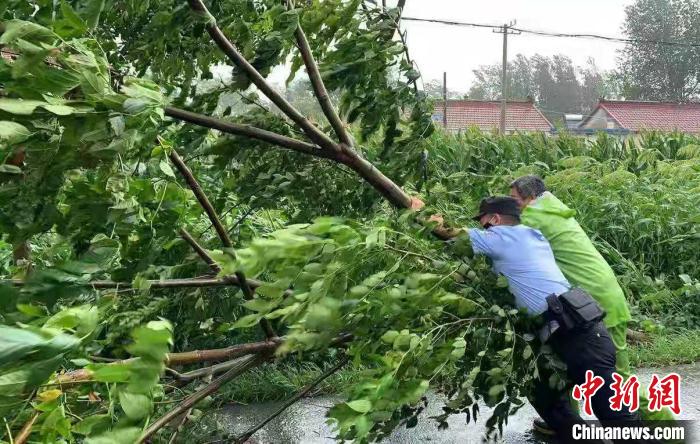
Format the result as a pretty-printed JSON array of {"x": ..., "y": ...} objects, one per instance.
[
  {"x": 246, "y": 131},
  {"x": 201, "y": 252},
  {"x": 182, "y": 358},
  {"x": 320, "y": 88},
  {"x": 392, "y": 192},
  {"x": 220, "y": 230},
  {"x": 23, "y": 435}
]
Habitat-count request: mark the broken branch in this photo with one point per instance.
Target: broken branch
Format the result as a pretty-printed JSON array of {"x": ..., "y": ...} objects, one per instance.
[
  {"x": 320, "y": 88},
  {"x": 237, "y": 58},
  {"x": 246, "y": 363},
  {"x": 247, "y": 131},
  {"x": 220, "y": 230}
]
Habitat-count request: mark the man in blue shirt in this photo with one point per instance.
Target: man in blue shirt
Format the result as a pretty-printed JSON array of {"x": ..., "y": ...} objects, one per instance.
[{"x": 523, "y": 255}]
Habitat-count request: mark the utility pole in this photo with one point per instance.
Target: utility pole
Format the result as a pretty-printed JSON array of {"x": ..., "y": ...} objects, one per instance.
[
  {"x": 444, "y": 100},
  {"x": 504, "y": 72}
]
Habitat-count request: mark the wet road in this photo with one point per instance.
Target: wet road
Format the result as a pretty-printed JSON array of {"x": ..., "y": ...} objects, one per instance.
[{"x": 305, "y": 422}]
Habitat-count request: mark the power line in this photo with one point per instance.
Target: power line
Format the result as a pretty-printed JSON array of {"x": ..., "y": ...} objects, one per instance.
[{"x": 558, "y": 34}]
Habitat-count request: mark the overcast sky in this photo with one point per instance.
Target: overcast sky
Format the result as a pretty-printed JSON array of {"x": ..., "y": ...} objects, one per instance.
[{"x": 458, "y": 50}]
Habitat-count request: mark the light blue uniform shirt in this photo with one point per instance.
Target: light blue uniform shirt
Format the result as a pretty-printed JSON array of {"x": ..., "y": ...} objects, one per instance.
[{"x": 523, "y": 255}]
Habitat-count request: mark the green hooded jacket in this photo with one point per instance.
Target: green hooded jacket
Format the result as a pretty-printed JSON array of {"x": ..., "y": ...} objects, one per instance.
[{"x": 576, "y": 256}]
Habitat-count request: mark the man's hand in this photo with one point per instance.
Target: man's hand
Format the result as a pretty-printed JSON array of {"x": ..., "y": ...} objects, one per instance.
[
  {"x": 436, "y": 218},
  {"x": 416, "y": 204},
  {"x": 439, "y": 230}
]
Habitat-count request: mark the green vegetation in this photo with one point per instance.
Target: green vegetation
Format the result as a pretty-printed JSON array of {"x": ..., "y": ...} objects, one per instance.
[
  {"x": 678, "y": 347},
  {"x": 131, "y": 230}
]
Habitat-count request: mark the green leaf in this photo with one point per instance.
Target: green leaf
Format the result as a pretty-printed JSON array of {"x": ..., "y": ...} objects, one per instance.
[
  {"x": 13, "y": 382},
  {"x": 83, "y": 319},
  {"x": 10, "y": 169},
  {"x": 21, "y": 30},
  {"x": 495, "y": 390},
  {"x": 19, "y": 106},
  {"x": 111, "y": 372},
  {"x": 92, "y": 12},
  {"x": 166, "y": 168},
  {"x": 17, "y": 343},
  {"x": 135, "y": 405},
  {"x": 92, "y": 424},
  {"x": 27, "y": 107},
  {"x": 12, "y": 132},
  {"x": 247, "y": 321},
  {"x": 70, "y": 25},
  {"x": 390, "y": 336},
  {"x": 125, "y": 435},
  {"x": 59, "y": 110},
  {"x": 152, "y": 341},
  {"x": 360, "y": 405},
  {"x": 261, "y": 305}
]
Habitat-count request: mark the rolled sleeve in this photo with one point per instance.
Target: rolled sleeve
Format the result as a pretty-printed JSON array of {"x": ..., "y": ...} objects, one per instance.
[{"x": 481, "y": 242}]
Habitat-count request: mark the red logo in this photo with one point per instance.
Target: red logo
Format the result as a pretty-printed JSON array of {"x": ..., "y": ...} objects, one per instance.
[
  {"x": 662, "y": 392},
  {"x": 665, "y": 393},
  {"x": 625, "y": 394},
  {"x": 585, "y": 391}
]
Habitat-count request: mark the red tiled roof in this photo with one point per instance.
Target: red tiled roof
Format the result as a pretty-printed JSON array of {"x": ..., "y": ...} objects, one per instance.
[
  {"x": 520, "y": 116},
  {"x": 665, "y": 116}
]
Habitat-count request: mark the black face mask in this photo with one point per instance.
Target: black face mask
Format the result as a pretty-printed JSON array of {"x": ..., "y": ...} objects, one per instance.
[{"x": 488, "y": 225}]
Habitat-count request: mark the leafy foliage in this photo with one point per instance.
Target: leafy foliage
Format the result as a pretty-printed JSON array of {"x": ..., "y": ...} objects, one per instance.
[{"x": 644, "y": 67}]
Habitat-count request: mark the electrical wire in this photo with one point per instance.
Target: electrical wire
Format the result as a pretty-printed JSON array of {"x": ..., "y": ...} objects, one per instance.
[{"x": 557, "y": 34}]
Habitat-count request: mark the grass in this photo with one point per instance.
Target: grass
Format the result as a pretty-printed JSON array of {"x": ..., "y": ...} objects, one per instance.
[
  {"x": 276, "y": 382},
  {"x": 679, "y": 347}
]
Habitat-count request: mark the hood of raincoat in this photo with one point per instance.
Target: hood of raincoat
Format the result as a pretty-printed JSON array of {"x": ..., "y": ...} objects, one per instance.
[{"x": 548, "y": 203}]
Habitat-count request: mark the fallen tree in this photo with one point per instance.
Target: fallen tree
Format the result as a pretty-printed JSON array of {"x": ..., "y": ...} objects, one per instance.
[{"x": 323, "y": 282}]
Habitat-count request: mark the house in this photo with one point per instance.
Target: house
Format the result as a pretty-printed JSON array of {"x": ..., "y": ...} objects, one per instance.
[
  {"x": 627, "y": 116},
  {"x": 572, "y": 121},
  {"x": 521, "y": 116}
]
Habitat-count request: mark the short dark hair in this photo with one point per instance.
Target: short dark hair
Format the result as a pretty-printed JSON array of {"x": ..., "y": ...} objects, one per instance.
[
  {"x": 529, "y": 187},
  {"x": 510, "y": 219}
]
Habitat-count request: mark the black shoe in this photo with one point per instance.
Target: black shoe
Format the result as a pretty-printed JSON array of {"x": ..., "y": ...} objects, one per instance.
[{"x": 540, "y": 426}]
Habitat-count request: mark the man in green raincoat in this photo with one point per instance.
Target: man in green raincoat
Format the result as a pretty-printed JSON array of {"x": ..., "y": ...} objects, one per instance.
[{"x": 582, "y": 265}]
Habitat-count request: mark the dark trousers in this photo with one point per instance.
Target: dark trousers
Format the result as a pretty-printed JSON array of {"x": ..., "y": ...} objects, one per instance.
[{"x": 587, "y": 349}]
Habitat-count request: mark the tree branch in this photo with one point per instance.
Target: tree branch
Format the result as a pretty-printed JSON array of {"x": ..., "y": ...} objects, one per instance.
[
  {"x": 386, "y": 187},
  {"x": 225, "y": 281},
  {"x": 201, "y": 252},
  {"x": 302, "y": 393},
  {"x": 179, "y": 426},
  {"x": 319, "y": 87},
  {"x": 204, "y": 371},
  {"x": 23, "y": 435},
  {"x": 221, "y": 354},
  {"x": 220, "y": 230},
  {"x": 246, "y": 363},
  {"x": 196, "y": 356},
  {"x": 237, "y": 58},
  {"x": 247, "y": 131},
  {"x": 182, "y": 358}
]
